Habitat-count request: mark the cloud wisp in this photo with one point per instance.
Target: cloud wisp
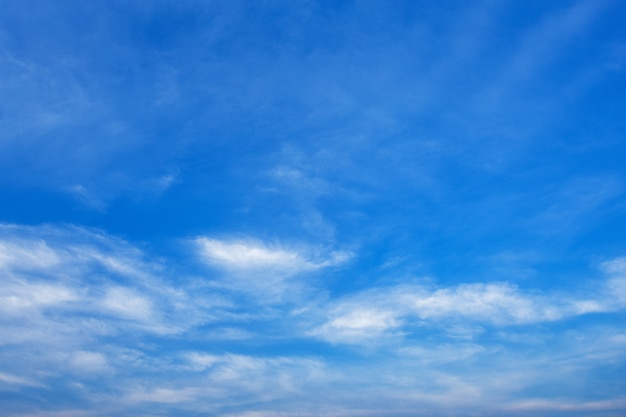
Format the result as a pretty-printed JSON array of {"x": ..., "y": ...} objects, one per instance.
[
  {"x": 95, "y": 311},
  {"x": 53, "y": 276},
  {"x": 268, "y": 269},
  {"x": 378, "y": 314}
]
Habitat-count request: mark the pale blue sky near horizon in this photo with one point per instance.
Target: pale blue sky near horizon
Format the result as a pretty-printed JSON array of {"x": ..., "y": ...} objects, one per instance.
[{"x": 313, "y": 208}]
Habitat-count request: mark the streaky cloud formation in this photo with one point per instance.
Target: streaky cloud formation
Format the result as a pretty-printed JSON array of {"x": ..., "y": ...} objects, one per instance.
[
  {"x": 250, "y": 255},
  {"x": 267, "y": 269},
  {"x": 379, "y": 312},
  {"x": 312, "y": 208},
  {"x": 97, "y": 307}
]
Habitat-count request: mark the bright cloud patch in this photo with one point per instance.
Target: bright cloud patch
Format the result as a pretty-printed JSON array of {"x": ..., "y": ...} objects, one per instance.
[
  {"x": 250, "y": 255},
  {"x": 127, "y": 303},
  {"x": 268, "y": 272},
  {"x": 378, "y": 313},
  {"x": 19, "y": 296},
  {"x": 20, "y": 254},
  {"x": 63, "y": 279},
  {"x": 497, "y": 303}
]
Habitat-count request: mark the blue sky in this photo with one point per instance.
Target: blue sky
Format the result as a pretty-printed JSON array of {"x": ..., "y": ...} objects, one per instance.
[{"x": 312, "y": 208}]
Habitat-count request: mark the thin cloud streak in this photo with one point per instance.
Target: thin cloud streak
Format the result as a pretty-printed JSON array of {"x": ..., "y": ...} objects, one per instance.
[
  {"x": 269, "y": 273},
  {"x": 379, "y": 313},
  {"x": 251, "y": 255},
  {"x": 90, "y": 288}
]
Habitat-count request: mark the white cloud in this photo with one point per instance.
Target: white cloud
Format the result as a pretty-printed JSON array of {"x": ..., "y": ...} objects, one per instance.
[
  {"x": 20, "y": 254},
  {"x": 412, "y": 378},
  {"x": 208, "y": 382},
  {"x": 88, "y": 362},
  {"x": 618, "y": 404},
  {"x": 96, "y": 308},
  {"x": 164, "y": 395},
  {"x": 366, "y": 319},
  {"x": 253, "y": 255},
  {"x": 615, "y": 266},
  {"x": 499, "y": 303},
  {"x": 127, "y": 303},
  {"x": 257, "y": 372},
  {"x": 442, "y": 352},
  {"x": 616, "y": 285},
  {"x": 19, "y": 296},
  {"x": 375, "y": 315},
  {"x": 265, "y": 270},
  {"x": 14, "y": 380},
  {"x": 356, "y": 324},
  {"x": 250, "y": 255},
  {"x": 64, "y": 278},
  {"x": 200, "y": 361}
]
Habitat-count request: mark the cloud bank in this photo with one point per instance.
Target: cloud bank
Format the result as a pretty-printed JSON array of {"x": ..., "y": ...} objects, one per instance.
[{"x": 91, "y": 308}]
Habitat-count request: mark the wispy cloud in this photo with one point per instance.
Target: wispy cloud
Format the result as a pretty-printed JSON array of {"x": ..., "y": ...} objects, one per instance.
[
  {"x": 312, "y": 208},
  {"x": 56, "y": 277},
  {"x": 93, "y": 307},
  {"x": 251, "y": 255},
  {"x": 99, "y": 195},
  {"x": 128, "y": 303},
  {"x": 375, "y": 315},
  {"x": 17, "y": 381},
  {"x": 254, "y": 266},
  {"x": 225, "y": 378},
  {"x": 616, "y": 286},
  {"x": 609, "y": 408}
]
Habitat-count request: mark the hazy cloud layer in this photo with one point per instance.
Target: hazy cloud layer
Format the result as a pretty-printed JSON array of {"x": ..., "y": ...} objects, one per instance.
[{"x": 90, "y": 308}]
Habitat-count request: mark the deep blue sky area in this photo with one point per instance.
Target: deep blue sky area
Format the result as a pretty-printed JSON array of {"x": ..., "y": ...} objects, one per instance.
[{"x": 313, "y": 208}]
